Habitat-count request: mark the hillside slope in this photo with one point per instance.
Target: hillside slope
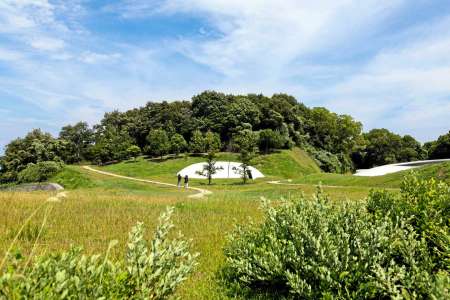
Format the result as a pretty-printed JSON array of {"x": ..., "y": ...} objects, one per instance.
[
  {"x": 282, "y": 164},
  {"x": 438, "y": 171}
]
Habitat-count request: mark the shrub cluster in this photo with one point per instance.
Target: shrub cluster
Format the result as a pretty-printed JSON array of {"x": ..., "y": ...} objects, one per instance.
[
  {"x": 317, "y": 249},
  {"x": 148, "y": 272},
  {"x": 425, "y": 204},
  {"x": 40, "y": 171}
]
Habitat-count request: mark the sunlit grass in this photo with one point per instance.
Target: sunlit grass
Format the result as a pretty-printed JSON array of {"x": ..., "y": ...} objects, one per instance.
[{"x": 100, "y": 208}]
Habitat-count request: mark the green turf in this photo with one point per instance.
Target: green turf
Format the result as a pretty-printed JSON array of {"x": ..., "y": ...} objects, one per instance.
[
  {"x": 438, "y": 171},
  {"x": 282, "y": 164},
  {"x": 75, "y": 178},
  {"x": 72, "y": 178}
]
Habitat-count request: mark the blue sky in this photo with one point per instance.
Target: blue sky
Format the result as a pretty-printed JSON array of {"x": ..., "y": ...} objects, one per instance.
[{"x": 386, "y": 63}]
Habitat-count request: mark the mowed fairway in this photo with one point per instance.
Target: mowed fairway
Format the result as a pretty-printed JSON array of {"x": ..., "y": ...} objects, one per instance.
[{"x": 99, "y": 208}]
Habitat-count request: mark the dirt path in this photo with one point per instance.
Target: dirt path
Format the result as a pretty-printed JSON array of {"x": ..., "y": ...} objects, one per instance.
[
  {"x": 200, "y": 192},
  {"x": 278, "y": 182}
]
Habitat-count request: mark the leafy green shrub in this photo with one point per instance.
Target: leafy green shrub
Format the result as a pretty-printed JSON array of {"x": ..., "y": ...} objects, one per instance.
[
  {"x": 40, "y": 171},
  {"x": 316, "y": 249},
  {"x": 329, "y": 162},
  {"x": 148, "y": 272},
  {"x": 426, "y": 206}
]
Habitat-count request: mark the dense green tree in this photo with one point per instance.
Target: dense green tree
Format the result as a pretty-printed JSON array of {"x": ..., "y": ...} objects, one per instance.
[
  {"x": 177, "y": 144},
  {"x": 411, "y": 150},
  {"x": 382, "y": 147},
  {"x": 270, "y": 140},
  {"x": 158, "y": 142},
  {"x": 331, "y": 132},
  {"x": 133, "y": 151},
  {"x": 209, "y": 108},
  {"x": 239, "y": 111},
  {"x": 212, "y": 142},
  {"x": 197, "y": 143},
  {"x": 440, "y": 148},
  {"x": 111, "y": 145},
  {"x": 35, "y": 147},
  {"x": 79, "y": 138}
]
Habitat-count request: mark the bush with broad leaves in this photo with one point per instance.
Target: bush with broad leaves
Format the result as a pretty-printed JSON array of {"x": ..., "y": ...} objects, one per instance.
[
  {"x": 40, "y": 171},
  {"x": 319, "y": 249}
]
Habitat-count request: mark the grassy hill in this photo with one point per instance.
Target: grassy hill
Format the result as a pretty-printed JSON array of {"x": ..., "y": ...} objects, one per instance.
[
  {"x": 281, "y": 164},
  {"x": 438, "y": 171}
]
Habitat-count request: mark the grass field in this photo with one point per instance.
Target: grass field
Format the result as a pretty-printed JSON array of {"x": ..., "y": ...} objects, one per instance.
[
  {"x": 100, "y": 208},
  {"x": 438, "y": 171}
]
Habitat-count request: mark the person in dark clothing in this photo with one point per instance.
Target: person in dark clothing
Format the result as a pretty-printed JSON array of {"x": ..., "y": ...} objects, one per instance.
[
  {"x": 249, "y": 174},
  {"x": 186, "y": 181},
  {"x": 179, "y": 180}
]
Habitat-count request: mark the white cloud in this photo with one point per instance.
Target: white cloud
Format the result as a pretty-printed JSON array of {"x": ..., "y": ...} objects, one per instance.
[
  {"x": 406, "y": 89},
  {"x": 247, "y": 46},
  {"x": 263, "y": 37},
  {"x": 9, "y": 55},
  {"x": 92, "y": 57},
  {"x": 48, "y": 44}
]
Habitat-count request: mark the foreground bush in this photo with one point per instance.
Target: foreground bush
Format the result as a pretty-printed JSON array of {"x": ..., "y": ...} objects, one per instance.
[
  {"x": 425, "y": 204},
  {"x": 40, "y": 171},
  {"x": 148, "y": 272},
  {"x": 315, "y": 249}
]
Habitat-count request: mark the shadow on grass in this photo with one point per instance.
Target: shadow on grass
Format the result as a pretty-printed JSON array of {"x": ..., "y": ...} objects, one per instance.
[
  {"x": 162, "y": 159},
  {"x": 130, "y": 162}
]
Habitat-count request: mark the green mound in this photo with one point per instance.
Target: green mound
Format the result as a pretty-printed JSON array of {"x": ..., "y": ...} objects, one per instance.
[
  {"x": 72, "y": 178},
  {"x": 282, "y": 164},
  {"x": 286, "y": 164}
]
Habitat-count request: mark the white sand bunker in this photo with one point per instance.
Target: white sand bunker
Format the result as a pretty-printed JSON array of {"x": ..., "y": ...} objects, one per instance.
[
  {"x": 229, "y": 170},
  {"x": 393, "y": 168}
]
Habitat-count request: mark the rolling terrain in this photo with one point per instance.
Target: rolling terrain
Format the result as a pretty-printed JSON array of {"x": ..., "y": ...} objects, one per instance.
[{"x": 100, "y": 208}]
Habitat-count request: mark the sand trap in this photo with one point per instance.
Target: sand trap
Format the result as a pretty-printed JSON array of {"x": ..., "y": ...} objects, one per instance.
[
  {"x": 228, "y": 170},
  {"x": 394, "y": 168}
]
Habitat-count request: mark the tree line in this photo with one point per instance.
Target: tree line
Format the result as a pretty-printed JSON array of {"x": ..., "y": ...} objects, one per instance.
[{"x": 243, "y": 123}]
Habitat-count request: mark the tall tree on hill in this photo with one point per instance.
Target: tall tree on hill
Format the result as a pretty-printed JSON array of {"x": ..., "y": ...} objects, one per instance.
[
  {"x": 133, "y": 151},
  {"x": 158, "y": 143},
  {"x": 382, "y": 147},
  {"x": 411, "y": 150},
  {"x": 197, "y": 143},
  {"x": 245, "y": 142},
  {"x": 332, "y": 132},
  {"x": 270, "y": 140},
  {"x": 440, "y": 148},
  {"x": 79, "y": 138},
  {"x": 36, "y": 146},
  {"x": 208, "y": 107},
  {"x": 111, "y": 145},
  {"x": 177, "y": 144},
  {"x": 212, "y": 145}
]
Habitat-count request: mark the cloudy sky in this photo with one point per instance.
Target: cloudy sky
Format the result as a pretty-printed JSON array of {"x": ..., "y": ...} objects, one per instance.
[{"x": 387, "y": 63}]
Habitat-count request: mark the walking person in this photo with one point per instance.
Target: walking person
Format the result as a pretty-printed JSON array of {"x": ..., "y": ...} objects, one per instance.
[
  {"x": 179, "y": 180},
  {"x": 186, "y": 182}
]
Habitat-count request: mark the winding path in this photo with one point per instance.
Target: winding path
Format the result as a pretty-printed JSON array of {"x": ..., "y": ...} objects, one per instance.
[{"x": 200, "y": 192}]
